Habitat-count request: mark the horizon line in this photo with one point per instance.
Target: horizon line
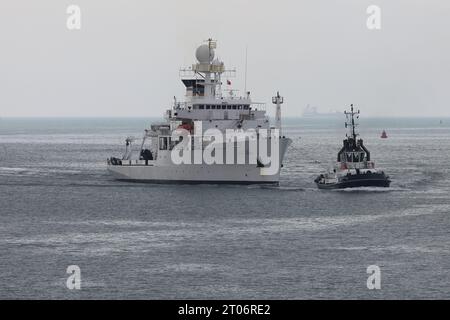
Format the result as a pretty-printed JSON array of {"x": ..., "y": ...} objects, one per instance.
[{"x": 162, "y": 117}]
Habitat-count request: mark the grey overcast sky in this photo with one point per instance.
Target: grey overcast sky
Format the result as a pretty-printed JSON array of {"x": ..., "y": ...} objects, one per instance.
[{"x": 125, "y": 59}]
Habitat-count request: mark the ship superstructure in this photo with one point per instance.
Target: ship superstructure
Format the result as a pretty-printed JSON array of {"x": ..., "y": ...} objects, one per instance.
[{"x": 207, "y": 108}]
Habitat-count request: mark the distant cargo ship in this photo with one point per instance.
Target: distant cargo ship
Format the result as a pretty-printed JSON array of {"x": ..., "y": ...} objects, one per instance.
[{"x": 312, "y": 112}]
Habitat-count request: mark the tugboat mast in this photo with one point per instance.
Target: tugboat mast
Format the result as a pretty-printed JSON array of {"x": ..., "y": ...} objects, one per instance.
[{"x": 350, "y": 123}]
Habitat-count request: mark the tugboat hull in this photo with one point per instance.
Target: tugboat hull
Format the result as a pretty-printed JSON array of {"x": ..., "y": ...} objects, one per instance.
[{"x": 376, "y": 180}]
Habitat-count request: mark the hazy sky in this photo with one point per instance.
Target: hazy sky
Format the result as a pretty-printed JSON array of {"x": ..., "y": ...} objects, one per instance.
[{"x": 125, "y": 59}]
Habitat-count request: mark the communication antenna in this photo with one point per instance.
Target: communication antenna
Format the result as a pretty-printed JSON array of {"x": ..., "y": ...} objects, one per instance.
[{"x": 245, "y": 76}]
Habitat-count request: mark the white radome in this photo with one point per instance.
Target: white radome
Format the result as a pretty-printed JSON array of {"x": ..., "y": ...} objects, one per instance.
[{"x": 204, "y": 54}]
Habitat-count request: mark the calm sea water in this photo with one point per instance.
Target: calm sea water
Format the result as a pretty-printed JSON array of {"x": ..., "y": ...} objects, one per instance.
[{"x": 59, "y": 207}]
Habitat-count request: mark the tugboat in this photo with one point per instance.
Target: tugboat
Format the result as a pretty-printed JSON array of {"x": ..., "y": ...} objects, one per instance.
[
  {"x": 354, "y": 167},
  {"x": 384, "y": 135}
]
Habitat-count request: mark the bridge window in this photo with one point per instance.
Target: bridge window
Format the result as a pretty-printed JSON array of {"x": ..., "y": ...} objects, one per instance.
[
  {"x": 201, "y": 107},
  {"x": 208, "y": 107},
  {"x": 234, "y": 107}
]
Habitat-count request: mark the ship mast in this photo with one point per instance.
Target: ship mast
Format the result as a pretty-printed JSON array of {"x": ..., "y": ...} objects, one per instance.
[
  {"x": 350, "y": 123},
  {"x": 209, "y": 70},
  {"x": 278, "y": 100}
]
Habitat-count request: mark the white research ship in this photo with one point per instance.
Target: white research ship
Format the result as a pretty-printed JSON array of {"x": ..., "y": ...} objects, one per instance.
[{"x": 206, "y": 107}]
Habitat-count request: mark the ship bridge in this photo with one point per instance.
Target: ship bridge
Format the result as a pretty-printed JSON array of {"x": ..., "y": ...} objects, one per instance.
[
  {"x": 204, "y": 99},
  {"x": 218, "y": 109}
]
